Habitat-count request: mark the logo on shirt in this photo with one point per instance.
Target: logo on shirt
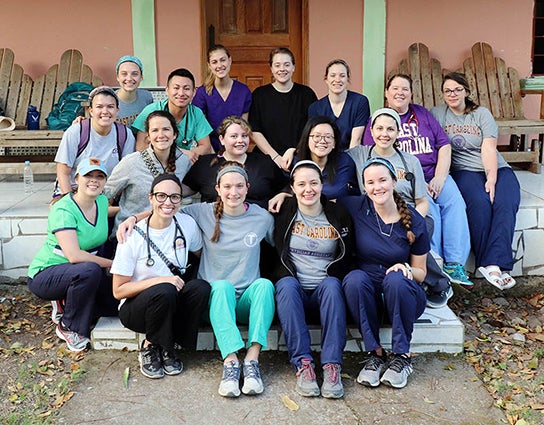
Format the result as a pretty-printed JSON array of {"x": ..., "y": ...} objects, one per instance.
[
  {"x": 251, "y": 239},
  {"x": 458, "y": 142}
]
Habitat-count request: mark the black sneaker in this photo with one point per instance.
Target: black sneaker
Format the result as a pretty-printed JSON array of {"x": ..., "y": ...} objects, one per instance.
[
  {"x": 171, "y": 363},
  {"x": 399, "y": 368},
  {"x": 150, "y": 361},
  {"x": 439, "y": 299},
  {"x": 371, "y": 372}
]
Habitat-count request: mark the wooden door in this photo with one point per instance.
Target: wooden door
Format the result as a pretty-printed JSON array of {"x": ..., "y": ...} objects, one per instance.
[{"x": 250, "y": 29}]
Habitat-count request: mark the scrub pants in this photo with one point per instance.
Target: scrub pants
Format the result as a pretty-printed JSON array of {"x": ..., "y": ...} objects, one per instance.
[
  {"x": 491, "y": 224},
  {"x": 297, "y": 307},
  {"x": 167, "y": 316},
  {"x": 403, "y": 299},
  {"x": 86, "y": 289},
  {"x": 451, "y": 236},
  {"x": 255, "y": 307}
]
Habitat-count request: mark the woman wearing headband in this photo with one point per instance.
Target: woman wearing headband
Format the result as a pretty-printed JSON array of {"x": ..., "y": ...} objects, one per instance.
[
  {"x": 391, "y": 250},
  {"x": 67, "y": 268},
  {"x": 422, "y": 136},
  {"x": 313, "y": 238},
  {"x": 488, "y": 184},
  {"x": 232, "y": 232},
  {"x": 151, "y": 278}
]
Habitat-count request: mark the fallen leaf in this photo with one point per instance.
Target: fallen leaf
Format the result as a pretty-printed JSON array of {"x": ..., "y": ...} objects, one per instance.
[
  {"x": 290, "y": 404},
  {"x": 426, "y": 400},
  {"x": 533, "y": 364},
  {"x": 126, "y": 375}
]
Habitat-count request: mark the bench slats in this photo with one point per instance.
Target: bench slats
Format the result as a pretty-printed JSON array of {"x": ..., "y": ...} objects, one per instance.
[
  {"x": 76, "y": 63},
  {"x": 491, "y": 78},
  {"x": 24, "y": 100},
  {"x": 5, "y": 75},
  {"x": 13, "y": 92},
  {"x": 505, "y": 90},
  {"x": 37, "y": 96}
]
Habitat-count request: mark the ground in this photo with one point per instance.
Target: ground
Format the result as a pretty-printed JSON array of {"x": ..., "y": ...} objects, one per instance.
[{"x": 504, "y": 346}]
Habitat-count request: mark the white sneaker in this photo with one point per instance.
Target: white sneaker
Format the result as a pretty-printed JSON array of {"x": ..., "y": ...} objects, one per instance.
[
  {"x": 230, "y": 382},
  {"x": 253, "y": 384}
]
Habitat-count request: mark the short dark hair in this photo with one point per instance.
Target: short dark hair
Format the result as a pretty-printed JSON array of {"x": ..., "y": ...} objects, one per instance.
[
  {"x": 279, "y": 51},
  {"x": 181, "y": 72}
]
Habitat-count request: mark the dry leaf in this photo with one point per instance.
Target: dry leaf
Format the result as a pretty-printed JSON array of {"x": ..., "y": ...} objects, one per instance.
[
  {"x": 426, "y": 400},
  {"x": 290, "y": 404}
]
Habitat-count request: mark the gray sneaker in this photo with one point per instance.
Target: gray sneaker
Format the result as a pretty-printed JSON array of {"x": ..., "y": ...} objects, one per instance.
[
  {"x": 399, "y": 368},
  {"x": 171, "y": 363},
  {"x": 74, "y": 341},
  {"x": 253, "y": 384},
  {"x": 372, "y": 369},
  {"x": 332, "y": 381},
  {"x": 150, "y": 361},
  {"x": 306, "y": 381},
  {"x": 230, "y": 382}
]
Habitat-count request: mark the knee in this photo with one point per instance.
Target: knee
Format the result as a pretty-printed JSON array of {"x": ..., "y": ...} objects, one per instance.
[
  {"x": 356, "y": 280},
  {"x": 396, "y": 283},
  {"x": 200, "y": 287},
  {"x": 331, "y": 286},
  {"x": 287, "y": 286},
  {"x": 222, "y": 288},
  {"x": 263, "y": 288},
  {"x": 88, "y": 273}
]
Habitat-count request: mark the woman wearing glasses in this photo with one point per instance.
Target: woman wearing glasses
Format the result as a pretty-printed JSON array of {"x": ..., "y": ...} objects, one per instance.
[
  {"x": 150, "y": 278},
  {"x": 487, "y": 183},
  {"x": 131, "y": 178},
  {"x": 422, "y": 136},
  {"x": 319, "y": 143}
]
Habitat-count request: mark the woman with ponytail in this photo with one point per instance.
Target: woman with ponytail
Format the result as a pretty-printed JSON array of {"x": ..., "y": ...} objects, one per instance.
[
  {"x": 221, "y": 96},
  {"x": 232, "y": 232},
  {"x": 132, "y": 177},
  {"x": 391, "y": 250}
]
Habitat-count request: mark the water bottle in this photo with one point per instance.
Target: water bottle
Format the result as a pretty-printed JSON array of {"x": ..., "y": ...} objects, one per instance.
[
  {"x": 33, "y": 118},
  {"x": 28, "y": 177}
]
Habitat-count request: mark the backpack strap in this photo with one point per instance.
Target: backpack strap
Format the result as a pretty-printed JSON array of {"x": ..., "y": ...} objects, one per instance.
[{"x": 84, "y": 135}]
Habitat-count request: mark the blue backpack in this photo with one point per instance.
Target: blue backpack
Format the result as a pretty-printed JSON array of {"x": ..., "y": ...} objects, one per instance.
[{"x": 69, "y": 106}]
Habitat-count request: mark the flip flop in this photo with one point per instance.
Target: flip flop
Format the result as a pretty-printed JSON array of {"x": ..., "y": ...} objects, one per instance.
[
  {"x": 495, "y": 280},
  {"x": 508, "y": 281}
]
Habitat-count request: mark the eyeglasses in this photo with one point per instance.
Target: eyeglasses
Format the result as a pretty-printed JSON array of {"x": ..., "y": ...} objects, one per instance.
[
  {"x": 161, "y": 197},
  {"x": 327, "y": 138},
  {"x": 458, "y": 90}
]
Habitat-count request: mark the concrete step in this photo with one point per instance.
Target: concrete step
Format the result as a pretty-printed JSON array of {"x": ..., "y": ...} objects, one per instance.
[{"x": 435, "y": 330}]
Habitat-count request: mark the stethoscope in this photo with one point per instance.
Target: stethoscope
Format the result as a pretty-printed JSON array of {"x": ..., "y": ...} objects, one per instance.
[
  {"x": 186, "y": 121},
  {"x": 150, "y": 262}
]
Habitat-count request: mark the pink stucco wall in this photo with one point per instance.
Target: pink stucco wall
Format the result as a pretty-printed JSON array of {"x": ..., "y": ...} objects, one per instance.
[
  {"x": 335, "y": 31},
  {"x": 450, "y": 29}
]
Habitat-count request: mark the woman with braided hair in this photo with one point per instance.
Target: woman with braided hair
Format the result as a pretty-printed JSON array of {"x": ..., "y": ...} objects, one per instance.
[
  {"x": 391, "y": 250},
  {"x": 232, "y": 232},
  {"x": 133, "y": 176}
]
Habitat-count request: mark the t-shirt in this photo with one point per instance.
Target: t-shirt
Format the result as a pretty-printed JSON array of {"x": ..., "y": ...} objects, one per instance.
[
  {"x": 133, "y": 178},
  {"x": 410, "y": 167},
  {"x": 216, "y": 109},
  {"x": 65, "y": 214},
  {"x": 192, "y": 127},
  {"x": 355, "y": 113},
  {"x": 131, "y": 257},
  {"x": 420, "y": 135},
  {"x": 379, "y": 245},
  {"x": 466, "y": 133},
  {"x": 129, "y": 111},
  {"x": 265, "y": 178},
  {"x": 312, "y": 248},
  {"x": 101, "y": 147},
  {"x": 280, "y": 117},
  {"x": 235, "y": 257}
]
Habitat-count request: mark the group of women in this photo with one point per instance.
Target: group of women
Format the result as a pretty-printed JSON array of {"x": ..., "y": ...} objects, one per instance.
[{"x": 347, "y": 225}]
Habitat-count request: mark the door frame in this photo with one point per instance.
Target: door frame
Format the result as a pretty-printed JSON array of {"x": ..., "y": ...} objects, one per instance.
[{"x": 303, "y": 61}]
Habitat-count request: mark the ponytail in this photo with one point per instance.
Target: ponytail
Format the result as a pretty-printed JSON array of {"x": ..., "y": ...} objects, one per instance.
[
  {"x": 405, "y": 217},
  {"x": 218, "y": 212}
]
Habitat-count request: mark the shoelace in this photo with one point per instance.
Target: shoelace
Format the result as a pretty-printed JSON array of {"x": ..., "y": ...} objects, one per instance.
[
  {"x": 251, "y": 370},
  {"x": 373, "y": 362},
  {"x": 307, "y": 371},
  {"x": 230, "y": 372},
  {"x": 398, "y": 363},
  {"x": 332, "y": 375},
  {"x": 150, "y": 355}
]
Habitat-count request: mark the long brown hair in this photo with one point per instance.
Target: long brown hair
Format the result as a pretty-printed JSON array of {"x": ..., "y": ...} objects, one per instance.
[
  {"x": 210, "y": 78},
  {"x": 405, "y": 216},
  {"x": 171, "y": 161},
  {"x": 218, "y": 209}
]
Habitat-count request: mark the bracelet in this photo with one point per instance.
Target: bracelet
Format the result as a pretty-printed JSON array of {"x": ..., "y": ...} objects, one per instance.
[
  {"x": 408, "y": 268},
  {"x": 135, "y": 218},
  {"x": 273, "y": 159}
]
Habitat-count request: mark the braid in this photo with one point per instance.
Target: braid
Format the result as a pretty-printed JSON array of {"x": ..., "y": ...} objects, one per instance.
[
  {"x": 218, "y": 212},
  {"x": 220, "y": 153},
  {"x": 405, "y": 216},
  {"x": 171, "y": 161}
]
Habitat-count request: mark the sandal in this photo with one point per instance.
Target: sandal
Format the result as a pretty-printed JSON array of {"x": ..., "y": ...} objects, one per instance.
[
  {"x": 507, "y": 280},
  {"x": 494, "y": 279}
]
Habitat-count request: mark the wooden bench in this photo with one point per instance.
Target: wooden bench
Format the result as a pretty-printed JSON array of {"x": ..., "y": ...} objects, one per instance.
[
  {"x": 18, "y": 91},
  {"x": 493, "y": 85}
]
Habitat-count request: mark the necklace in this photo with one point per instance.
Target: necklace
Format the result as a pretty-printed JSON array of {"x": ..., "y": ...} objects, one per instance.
[{"x": 380, "y": 226}]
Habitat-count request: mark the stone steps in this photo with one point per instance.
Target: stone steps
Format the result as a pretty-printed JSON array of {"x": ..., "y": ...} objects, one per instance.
[{"x": 436, "y": 330}]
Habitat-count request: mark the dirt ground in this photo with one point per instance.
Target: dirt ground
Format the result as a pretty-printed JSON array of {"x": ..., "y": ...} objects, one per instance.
[{"x": 504, "y": 349}]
